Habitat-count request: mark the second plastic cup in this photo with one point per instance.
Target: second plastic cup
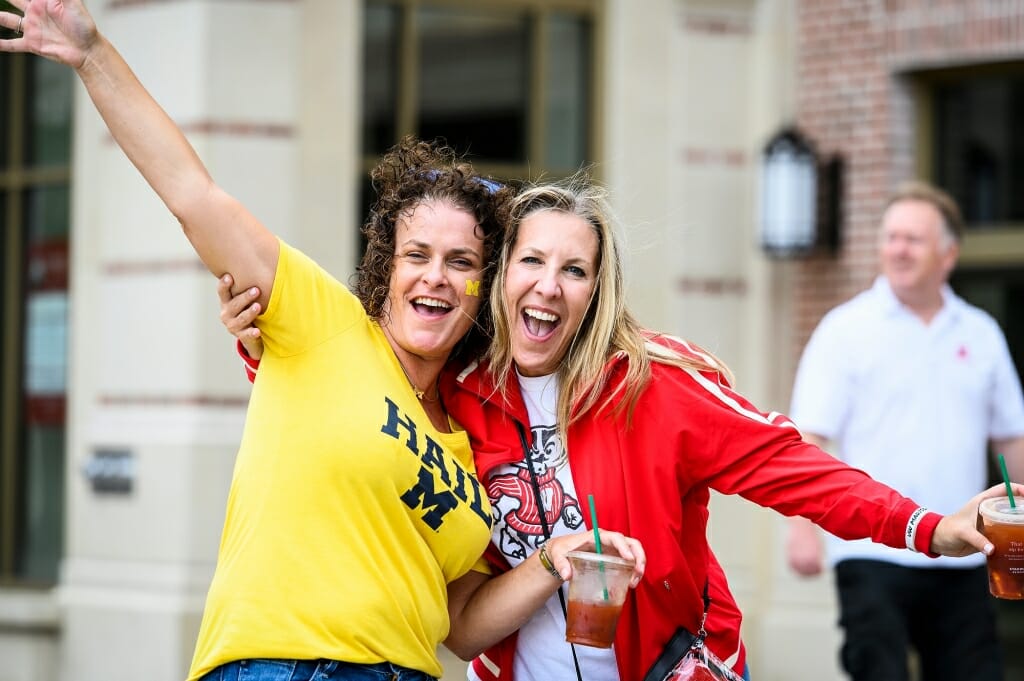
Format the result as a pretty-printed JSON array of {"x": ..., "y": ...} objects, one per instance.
[
  {"x": 596, "y": 592},
  {"x": 1004, "y": 527}
]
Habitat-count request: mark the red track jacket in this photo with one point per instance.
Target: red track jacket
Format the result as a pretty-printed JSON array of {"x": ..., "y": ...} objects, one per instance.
[{"x": 651, "y": 478}]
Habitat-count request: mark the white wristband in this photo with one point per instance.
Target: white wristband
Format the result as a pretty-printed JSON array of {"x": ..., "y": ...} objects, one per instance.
[{"x": 911, "y": 533}]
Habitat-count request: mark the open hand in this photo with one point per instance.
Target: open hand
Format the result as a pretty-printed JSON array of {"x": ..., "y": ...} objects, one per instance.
[{"x": 61, "y": 30}]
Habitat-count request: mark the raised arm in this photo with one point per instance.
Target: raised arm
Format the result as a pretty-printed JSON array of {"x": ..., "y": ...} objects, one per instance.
[{"x": 225, "y": 235}]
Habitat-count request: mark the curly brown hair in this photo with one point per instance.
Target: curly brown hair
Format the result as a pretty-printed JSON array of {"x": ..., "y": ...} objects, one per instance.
[{"x": 411, "y": 172}]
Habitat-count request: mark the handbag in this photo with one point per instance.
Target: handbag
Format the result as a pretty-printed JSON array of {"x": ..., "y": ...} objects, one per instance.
[
  {"x": 686, "y": 658},
  {"x": 700, "y": 664}
]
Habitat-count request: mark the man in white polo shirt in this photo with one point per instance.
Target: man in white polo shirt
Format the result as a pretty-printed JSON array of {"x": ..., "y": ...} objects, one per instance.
[{"x": 911, "y": 384}]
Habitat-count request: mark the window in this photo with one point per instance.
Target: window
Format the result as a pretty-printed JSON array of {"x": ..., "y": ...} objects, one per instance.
[
  {"x": 979, "y": 145},
  {"x": 509, "y": 82},
  {"x": 35, "y": 148},
  {"x": 970, "y": 143}
]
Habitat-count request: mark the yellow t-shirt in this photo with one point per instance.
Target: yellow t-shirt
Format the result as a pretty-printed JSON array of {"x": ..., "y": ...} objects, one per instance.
[{"x": 348, "y": 512}]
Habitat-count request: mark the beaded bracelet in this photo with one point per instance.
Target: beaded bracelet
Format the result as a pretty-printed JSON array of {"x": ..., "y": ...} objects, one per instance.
[{"x": 545, "y": 560}]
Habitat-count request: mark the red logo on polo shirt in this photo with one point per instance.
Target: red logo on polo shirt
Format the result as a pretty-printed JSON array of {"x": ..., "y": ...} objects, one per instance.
[{"x": 961, "y": 352}]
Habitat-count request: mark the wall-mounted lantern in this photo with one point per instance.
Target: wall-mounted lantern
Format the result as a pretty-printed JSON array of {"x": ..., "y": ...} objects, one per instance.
[{"x": 799, "y": 197}]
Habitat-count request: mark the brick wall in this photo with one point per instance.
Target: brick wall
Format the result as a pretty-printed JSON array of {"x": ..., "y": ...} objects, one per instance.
[{"x": 856, "y": 61}]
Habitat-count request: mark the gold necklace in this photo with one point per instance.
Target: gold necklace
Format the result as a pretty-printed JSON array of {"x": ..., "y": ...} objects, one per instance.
[{"x": 420, "y": 394}]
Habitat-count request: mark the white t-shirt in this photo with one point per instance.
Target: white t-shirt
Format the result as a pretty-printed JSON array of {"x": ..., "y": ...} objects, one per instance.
[
  {"x": 912, "y": 404},
  {"x": 541, "y": 652}
]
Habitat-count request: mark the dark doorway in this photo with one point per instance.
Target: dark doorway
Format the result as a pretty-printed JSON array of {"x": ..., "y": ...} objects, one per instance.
[{"x": 1000, "y": 292}]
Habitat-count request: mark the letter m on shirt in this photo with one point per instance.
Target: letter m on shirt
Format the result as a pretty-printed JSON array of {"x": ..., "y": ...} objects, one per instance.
[{"x": 435, "y": 504}]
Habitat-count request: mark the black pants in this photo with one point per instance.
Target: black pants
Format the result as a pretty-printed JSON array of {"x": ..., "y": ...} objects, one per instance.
[{"x": 947, "y": 615}]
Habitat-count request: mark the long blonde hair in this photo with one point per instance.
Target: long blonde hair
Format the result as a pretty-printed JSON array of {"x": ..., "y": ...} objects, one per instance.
[{"x": 608, "y": 329}]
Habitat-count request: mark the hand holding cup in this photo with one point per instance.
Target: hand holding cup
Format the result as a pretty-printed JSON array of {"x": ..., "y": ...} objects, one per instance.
[
  {"x": 1002, "y": 523},
  {"x": 597, "y": 591},
  {"x": 598, "y": 582}
]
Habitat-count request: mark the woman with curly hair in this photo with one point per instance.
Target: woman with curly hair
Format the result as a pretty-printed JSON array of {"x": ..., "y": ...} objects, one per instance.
[{"x": 353, "y": 503}]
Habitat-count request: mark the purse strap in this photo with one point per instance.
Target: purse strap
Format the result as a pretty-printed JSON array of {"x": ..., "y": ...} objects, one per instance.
[{"x": 547, "y": 530}]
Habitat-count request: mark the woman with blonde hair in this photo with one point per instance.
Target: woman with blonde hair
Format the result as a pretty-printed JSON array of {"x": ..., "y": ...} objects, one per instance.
[{"x": 648, "y": 424}]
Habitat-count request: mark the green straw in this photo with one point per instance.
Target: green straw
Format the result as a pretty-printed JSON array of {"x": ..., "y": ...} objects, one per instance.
[
  {"x": 597, "y": 537},
  {"x": 1006, "y": 481}
]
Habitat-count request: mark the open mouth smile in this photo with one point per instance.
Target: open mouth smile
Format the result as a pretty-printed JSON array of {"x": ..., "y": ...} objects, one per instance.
[
  {"x": 539, "y": 324},
  {"x": 431, "y": 307}
]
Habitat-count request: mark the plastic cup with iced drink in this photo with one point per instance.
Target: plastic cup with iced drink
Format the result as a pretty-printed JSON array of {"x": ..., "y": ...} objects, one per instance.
[
  {"x": 596, "y": 592},
  {"x": 1004, "y": 527}
]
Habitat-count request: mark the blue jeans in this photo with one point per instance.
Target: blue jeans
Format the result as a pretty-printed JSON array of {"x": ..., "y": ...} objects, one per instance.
[{"x": 312, "y": 670}]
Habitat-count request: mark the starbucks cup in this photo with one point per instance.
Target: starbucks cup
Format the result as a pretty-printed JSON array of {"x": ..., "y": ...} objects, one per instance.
[{"x": 1004, "y": 528}]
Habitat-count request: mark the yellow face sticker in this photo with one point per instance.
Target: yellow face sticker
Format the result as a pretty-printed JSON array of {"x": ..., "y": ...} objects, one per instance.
[{"x": 473, "y": 287}]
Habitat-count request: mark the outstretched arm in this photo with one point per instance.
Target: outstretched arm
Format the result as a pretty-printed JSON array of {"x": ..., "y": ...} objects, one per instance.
[{"x": 226, "y": 236}]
